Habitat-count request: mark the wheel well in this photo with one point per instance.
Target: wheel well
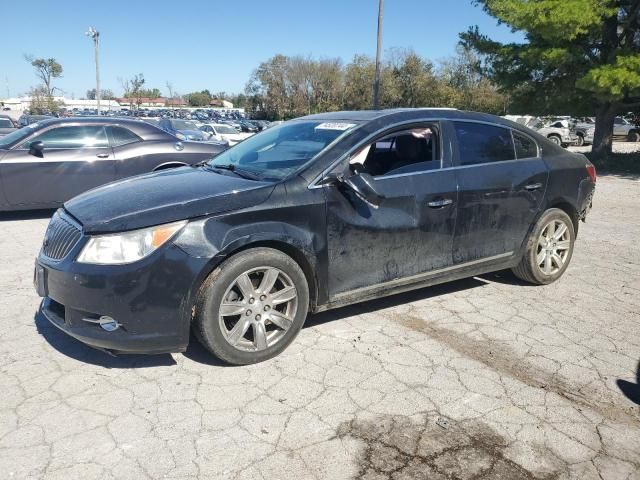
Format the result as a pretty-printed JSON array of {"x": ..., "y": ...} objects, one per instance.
[
  {"x": 572, "y": 212},
  {"x": 296, "y": 255}
]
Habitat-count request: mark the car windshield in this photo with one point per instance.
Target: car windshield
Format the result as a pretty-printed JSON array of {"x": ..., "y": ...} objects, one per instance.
[
  {"x": 14, "y": 137},
  {"x": 225, "y": 129},
  {"x": 278, "y": 152},
  {"x": 184, "y": 125}
]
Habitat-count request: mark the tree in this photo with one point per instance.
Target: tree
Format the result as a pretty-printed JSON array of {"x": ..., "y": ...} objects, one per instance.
[
  {"x": 198, "y": 99},
  {"x": 580, "y": 57},
  {"x": 132, "y": 88},
  {"x": 46, "y": 70},
  {"x": 104, "y": 94},
  {"x": 41, "y": 102}
]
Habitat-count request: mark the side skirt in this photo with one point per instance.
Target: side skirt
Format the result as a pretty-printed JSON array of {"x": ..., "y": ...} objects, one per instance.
[{"x": 427, "y": 279}]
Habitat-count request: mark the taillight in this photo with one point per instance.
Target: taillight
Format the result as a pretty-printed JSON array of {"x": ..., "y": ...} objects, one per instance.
[{"x": 591, "y": 170}]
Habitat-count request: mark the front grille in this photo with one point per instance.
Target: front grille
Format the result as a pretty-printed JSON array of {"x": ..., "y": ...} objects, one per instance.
[{"x": 62, "y": 235}]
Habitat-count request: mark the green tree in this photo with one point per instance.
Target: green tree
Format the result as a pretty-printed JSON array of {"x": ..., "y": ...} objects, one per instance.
[
  {"x": 46, "y": 70},
  {"x": 198, "y": 99},
  {"x": 579, "y": 57}
]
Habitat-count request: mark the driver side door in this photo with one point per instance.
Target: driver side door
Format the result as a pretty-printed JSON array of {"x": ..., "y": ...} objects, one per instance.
[
  {"x": 409, "y": 234},
  {"x": 75, "y": 158}
]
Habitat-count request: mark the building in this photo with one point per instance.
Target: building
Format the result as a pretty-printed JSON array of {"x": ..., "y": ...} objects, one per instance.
[
  {"x": 218, "y": 102},
  {"x": 17, "y": 105}
]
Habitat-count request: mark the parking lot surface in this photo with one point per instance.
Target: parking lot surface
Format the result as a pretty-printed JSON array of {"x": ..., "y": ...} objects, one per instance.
[{"x": 481, "y": 378}]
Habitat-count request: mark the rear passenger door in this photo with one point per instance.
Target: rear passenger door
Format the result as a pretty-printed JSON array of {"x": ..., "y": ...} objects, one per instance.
[{"x": 501, "y": 180}]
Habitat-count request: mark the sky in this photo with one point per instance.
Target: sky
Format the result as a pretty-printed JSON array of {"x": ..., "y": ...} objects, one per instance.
[{"x": 215, "y": 44}]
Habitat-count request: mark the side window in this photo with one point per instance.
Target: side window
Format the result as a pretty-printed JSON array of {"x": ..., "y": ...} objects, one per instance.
[
  {"x": 525, "y": 146},
  {"x": 481, "y": 143},
  {"x": 82, "y": 136},
  {"x": 412, "y": 150},
  {"x": 122, "y": 136},
  {"x": 618, "y": 121}
]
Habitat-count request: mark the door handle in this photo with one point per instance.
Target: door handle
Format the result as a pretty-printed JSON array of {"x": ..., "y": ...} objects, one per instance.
[
  {"x": 102, "y": 155},
  {"x": 440, "y": 203},
  {"x": 533, "y": 186}
]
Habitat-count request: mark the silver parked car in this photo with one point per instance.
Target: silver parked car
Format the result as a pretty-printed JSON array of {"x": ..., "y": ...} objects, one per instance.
[
  {"x": 560, "y": 132},
  {"x": 625, "y": 131}
]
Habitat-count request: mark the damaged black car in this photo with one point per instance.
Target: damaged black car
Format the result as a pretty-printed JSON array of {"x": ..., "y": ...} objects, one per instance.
[{"x": 316, "y": 213}]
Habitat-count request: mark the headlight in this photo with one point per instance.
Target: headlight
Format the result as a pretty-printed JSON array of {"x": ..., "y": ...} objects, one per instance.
[
  {"x": 127, "y": 247},
  {"x": 181, "y": 136}
]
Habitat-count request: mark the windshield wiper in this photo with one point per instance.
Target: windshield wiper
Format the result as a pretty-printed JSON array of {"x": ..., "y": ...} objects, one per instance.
[{"x": 238, "y": 171}]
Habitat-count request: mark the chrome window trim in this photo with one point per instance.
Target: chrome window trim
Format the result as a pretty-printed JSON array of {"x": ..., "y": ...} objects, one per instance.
[{"x": 314, "y": 183}]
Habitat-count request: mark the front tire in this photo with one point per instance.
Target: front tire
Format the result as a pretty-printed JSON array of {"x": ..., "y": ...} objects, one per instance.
[
  {"x": 252, "y": 306},
  {"x": 580, "y": 141},
  {"x": 548, "y": 250},
  {"x": 634, "y": 136}
]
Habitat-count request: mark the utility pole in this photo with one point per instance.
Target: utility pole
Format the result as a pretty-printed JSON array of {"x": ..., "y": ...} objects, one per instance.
[
  {"x": 376, "y": 82},
  {"x": 95, "y": 35}
]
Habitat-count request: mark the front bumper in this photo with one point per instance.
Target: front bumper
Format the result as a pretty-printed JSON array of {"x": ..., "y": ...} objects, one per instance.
[{"x": 150, "y": 299}]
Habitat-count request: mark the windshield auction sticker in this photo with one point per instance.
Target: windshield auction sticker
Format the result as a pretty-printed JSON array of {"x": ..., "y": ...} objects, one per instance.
[{"x": 335, "y": 126}]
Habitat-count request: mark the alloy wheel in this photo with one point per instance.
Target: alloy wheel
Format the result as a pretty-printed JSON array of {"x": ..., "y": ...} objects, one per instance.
[
  {"x": 554, "y": 245},
  {"x": 258, "y": 308}
]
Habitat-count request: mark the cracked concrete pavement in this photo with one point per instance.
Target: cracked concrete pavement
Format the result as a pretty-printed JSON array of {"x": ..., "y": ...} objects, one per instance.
[{"x": 481, "y": 378}]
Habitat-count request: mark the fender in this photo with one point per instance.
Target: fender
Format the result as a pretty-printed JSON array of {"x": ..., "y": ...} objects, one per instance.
[{"x": 216, "y": 241}]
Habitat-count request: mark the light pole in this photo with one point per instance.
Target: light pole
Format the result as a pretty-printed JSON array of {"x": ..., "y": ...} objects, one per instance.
[
  {"x": 376, "y": 82},
  {"x": 95, "y": 35}
]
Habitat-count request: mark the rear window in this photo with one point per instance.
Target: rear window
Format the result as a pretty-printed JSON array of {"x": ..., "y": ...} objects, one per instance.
[
  {"x": 525, "y": 146},
  {"x": 482, "y": 143},
  {"x": 6, "y": 123},
  {"x": 122, "y": 136}
]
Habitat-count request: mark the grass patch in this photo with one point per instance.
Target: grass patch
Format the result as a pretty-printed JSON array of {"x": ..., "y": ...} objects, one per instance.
[{"x": 616, "y": 162}]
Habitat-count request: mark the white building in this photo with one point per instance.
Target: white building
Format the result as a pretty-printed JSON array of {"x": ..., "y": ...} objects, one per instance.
[{"x": 16, "y": 105}]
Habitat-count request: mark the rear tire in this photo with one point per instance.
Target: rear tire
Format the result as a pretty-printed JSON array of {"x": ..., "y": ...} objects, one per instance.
[
  {"x": 555, "y": 139},
  {"x": 548, "y": 250},
  {"x": 252, "y": 306},
  {"x": 634, "y": 136}
]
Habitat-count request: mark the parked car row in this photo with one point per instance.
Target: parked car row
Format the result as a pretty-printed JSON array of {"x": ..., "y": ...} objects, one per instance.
[{"x": 566, "y": 131}]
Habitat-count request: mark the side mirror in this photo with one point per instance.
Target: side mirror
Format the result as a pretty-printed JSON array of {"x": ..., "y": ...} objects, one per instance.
[
  {"x": 36, "y": 149},
  {"x": 363, "y": 185}
]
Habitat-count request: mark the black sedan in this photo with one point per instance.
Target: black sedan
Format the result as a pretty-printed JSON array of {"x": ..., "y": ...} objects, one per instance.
[
  {"x": 46, "y": 163},
  {"x": 315, "y": 213}
]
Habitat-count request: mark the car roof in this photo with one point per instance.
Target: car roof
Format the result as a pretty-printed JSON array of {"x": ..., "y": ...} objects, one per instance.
[{"x": 400, "y": 114}]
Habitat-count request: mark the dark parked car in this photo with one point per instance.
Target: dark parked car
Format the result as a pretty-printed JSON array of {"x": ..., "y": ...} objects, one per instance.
[
  {"x": 7, "y": 125},
  {"x": 26, "y": 119},
  {"x": 315, "y": 213},
  {"x": 46, "y": 163},
  {"x": 182, "y": 129}
]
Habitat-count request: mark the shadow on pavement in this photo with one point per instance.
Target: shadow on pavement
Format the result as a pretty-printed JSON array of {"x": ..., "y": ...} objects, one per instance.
[
  {"x": 629, "y": 389},
  {"x": 26, "y": 215},
  {"x": 197, "y": 353},
  {"x": 394, "y": 300},
  {"x": 77, "y": 350}
]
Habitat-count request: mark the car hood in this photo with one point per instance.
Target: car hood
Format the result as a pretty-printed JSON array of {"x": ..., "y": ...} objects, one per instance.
[{"x": 163, "y": 197}]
